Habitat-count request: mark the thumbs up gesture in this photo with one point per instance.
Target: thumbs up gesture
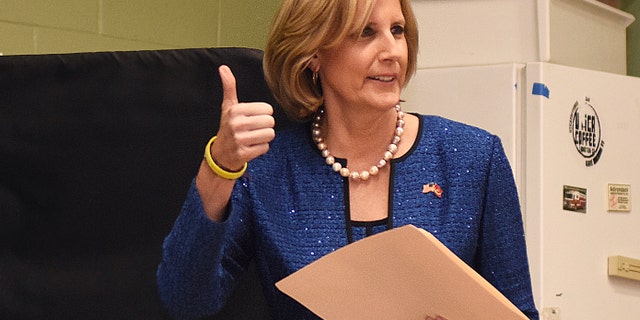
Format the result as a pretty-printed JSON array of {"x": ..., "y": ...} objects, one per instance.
[{"x": 245, "y": 128}]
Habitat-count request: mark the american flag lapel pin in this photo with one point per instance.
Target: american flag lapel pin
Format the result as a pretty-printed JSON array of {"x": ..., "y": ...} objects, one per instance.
[{"x": 432, "y": 187}]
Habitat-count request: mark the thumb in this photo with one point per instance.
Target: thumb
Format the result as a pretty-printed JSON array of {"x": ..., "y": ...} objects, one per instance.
[{"x": 229, "y": 93}]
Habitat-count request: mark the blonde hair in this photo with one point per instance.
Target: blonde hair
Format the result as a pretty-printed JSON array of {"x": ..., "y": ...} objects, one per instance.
[{"x": 299, "y": 30}]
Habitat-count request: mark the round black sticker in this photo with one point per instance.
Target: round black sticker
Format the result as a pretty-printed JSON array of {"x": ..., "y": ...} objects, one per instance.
[{"x": 586, "y": 132}]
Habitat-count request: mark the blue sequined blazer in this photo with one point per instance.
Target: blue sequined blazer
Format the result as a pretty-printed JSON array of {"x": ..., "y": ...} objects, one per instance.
[{"x": 290, "y": 208}]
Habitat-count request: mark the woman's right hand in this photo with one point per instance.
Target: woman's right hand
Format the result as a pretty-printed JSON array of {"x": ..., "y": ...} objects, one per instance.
[
  {"x": 245, "y": 128},
  {"x": 244, "y": 134}
]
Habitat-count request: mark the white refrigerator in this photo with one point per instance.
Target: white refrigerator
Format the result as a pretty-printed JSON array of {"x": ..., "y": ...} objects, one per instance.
[{"x": 572, "y": 137}]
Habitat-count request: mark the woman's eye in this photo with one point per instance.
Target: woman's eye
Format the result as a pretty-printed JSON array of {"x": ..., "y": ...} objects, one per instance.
[
  {"x": 367, "y": 32},
  {"x": 397, "y": 30}
]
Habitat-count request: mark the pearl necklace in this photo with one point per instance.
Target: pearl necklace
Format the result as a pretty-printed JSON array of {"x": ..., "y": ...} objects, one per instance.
[{"x": 316, "y": 133}]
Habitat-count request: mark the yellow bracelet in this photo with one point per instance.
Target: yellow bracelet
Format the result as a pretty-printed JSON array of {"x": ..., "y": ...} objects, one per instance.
[{"x": 216, "y": 168}]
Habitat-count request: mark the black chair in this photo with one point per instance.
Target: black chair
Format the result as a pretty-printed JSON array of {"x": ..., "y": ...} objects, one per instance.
[{"x": 97, "y": 151}]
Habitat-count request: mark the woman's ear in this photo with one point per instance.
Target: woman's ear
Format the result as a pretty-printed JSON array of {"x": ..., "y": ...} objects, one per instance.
[
  {"x": 314, "y": 64},
  {"x": 314, "y": 67}
]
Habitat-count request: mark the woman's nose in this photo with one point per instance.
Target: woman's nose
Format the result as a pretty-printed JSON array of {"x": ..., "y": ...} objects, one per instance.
[{"x": 390, "y": 46}]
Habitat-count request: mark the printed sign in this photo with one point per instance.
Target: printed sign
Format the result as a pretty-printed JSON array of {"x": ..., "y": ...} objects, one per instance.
[
  {"x": 619, "y": 196},
  {"x": 584, "y": 126}
]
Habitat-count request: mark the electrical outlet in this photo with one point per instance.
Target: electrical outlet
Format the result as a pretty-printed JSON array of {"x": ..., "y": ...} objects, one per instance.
[{"x": 551, "y": 313}]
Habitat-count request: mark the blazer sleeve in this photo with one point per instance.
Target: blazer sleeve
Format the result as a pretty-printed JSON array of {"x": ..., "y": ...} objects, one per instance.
[
  {"x": 202, "y": 260},
  {"x": 502, "y": 256}
]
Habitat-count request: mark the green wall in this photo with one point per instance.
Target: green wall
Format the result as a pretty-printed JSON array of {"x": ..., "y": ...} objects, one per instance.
[
  {"x": 633, "y": 38},
  {"x": 46, "y": 26},
  {"x": 246, "y": 22}
]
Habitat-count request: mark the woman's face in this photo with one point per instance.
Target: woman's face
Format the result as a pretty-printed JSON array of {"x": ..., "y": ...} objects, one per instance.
[{"x": 368, "y": 70}]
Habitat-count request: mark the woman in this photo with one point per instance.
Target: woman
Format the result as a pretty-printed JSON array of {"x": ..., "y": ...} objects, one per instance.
[{"x": 356, "y": 165}]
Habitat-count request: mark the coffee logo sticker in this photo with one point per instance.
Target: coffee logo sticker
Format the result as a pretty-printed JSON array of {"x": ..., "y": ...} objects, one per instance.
[{"x": 586, "y": 132}]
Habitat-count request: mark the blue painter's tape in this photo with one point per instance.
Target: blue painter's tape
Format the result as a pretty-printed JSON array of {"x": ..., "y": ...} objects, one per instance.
[{"x": 540, "y": 89}]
